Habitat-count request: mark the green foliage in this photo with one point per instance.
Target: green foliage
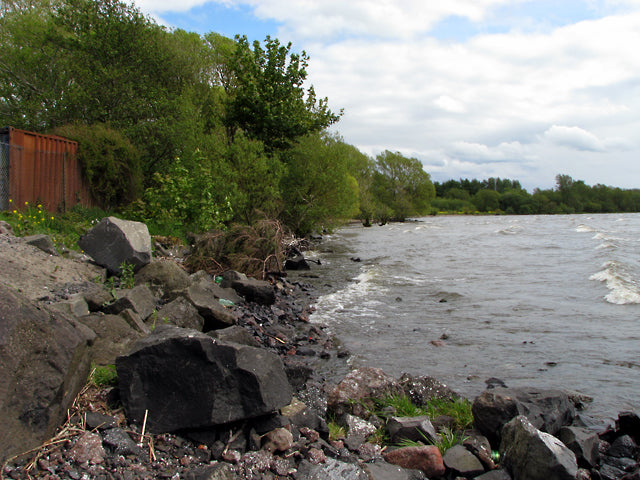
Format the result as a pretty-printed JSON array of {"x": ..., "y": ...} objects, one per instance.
[
  {"x": 266, "y": 95},
  {"x": 459, "y": 409},
  {"x": 185, "y": 199},
  {"x": 110, "y": 163},
  {"x": 402, "y": 406},
  {"x": 127, "y": 279},
  {"x": 336, "y": 431},
  {"x": 103, "y": 375},
  {"x": 318, "y": 187},
  {"x": 27, "y": 219},
  {"x": 448, "y": 438}
]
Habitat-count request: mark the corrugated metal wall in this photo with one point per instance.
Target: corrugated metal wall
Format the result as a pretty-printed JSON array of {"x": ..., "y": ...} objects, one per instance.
[{"x": 44, "y": 169}]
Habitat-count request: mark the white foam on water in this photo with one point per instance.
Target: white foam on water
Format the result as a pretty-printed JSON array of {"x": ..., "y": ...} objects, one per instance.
[
  {"x": 511, "y": 230},
  {"x": 582, "y": 228},
  {"x": 623, "y": 288},
  {"x": 363, "y": 291}
]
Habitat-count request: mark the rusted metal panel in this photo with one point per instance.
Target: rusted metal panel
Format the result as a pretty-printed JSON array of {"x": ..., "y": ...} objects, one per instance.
[{"x": 44, "y": 170}]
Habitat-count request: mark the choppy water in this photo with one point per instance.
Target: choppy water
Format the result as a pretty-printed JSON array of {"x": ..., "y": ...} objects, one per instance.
[{"x": 549, "y": 301}]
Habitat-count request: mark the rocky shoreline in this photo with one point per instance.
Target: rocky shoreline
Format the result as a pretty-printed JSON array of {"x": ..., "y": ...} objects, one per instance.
[{"x": 218, "y": 379}]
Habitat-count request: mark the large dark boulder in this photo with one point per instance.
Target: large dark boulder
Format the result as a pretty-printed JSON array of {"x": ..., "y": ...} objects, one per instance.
[
  {"x": 113, "y": 242},
  {"x": 529, "y": 454},
  {"x": 547, "y": 410},
  {"x": 165, "y": 275},
  {"x": 258, "y": 291},
  {"x": 44, "y": 363},
  {"x": 186, "y": 379},
  {"x": 215, "y": 315}
]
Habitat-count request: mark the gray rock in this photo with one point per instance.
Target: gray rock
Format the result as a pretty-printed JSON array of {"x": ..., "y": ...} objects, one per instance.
[
  {"x": 421, "y": 390},
  {"x": 186, "y": 379},
  {"x": 113, "y": 242},
  {"x": 296, "y": 263},
  {"x": 75, "y": 306},
  {"x": 164, "y": 275},
  {"x": 547, "y": 410},
  {"x": 235, "y": 334},
  {"x": 114, "y": 337},
  {"x": 495, "y": 475},
  {"x": 462, "y": 462},
  {"x": 258, "y": 291},
  {"x": 135, "y": 321},
  {"x": 43, "y": 242},
  {"x": 6, "y": 229},
  {"x": 583, "y": 443},
  {"x": 219, "y": 471},
  {"x": 529, "y": 454},
  {"x": 120, "y": 443},
  {"x": 629, "y": 423},
  {"x": 139, "y": 299},
  {"x": 358, "y": 388},
  {"x": 381, "y": 470},
  {"x": 215, "y": 315},
  {"x": 99, "y": 421},
  {"x": 330, "y": 470},
  {"x": 44, "y": 362},
  {"x": 97, "y": 297},
  {"x": 179, "y": 312},
  {"x": 623, "y": 446},
  {"x": 418, "y": 429}
]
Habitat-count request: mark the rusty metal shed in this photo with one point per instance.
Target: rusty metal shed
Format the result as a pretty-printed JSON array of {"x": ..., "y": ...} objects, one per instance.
[{"x": 40, "y": 169}]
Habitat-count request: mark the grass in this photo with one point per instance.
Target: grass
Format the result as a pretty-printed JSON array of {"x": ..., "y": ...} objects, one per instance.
[
  {"x": 458, "y": 409},
  {"x": 336, "y": 431},
  {"x": 103, "y": 375}
]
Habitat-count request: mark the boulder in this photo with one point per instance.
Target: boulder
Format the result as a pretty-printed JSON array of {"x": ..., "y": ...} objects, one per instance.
[
  {"x": 418, "y": 429},
  {"x": 215, "y": 315},
  {"x": 629, "y": 423},
  {"x": 113, "y": 242},
  {"x": 75, "y": 306},
  {"x": 462, "y": 462},
  {"x": 43, "y": 242},
  {"x": 165, "y": 275},
  {"x": 530, "y": 454},
  {"x": 181, "y": 313},
  {"x": 235, "y": 334},
  {"x": 44, "y": 362},
  {"x": 296, "y": 263},
  {"x": 330, "y": 470},
  {"x": 547, "y": 410},
  {"x": 185, "y": 379},
  {"x": 380, "y": 470},
  {"x": 421, "y": 390},
  {"x": 427, "y": 459},
  {"x": 139, "y": 299},
  {"x": 356, "y": 391},
  {"x": 583, "y": 443},
  {"x": 114, "y": 337},
  {"x": 258, "y": 291}
]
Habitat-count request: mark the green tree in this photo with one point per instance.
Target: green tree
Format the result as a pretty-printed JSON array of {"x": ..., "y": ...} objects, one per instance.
[
  {"x": 267, "y": 99},
  {"x": 402, "y": 185},
  {"x": 486, "y": 200}
]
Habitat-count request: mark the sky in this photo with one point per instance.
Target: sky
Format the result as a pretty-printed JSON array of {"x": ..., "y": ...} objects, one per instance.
[{"x": 519, "y": 89}]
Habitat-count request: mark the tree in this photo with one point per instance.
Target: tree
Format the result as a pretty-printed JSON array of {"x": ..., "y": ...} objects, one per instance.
[
  {"x": 486, "y": 200},
  {"x": 266, "y": 96},
  {"x": 402, "y": 184}
]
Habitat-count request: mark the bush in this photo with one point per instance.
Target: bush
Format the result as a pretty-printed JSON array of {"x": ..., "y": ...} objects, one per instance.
[{"x": 110, "y": 162}]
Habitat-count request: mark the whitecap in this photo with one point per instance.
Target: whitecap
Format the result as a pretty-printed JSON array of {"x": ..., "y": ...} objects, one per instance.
[
  {"x": 623, "y": 289},
  {"x": 584, "y": 228},
  {"x": 511, "y": 230}
]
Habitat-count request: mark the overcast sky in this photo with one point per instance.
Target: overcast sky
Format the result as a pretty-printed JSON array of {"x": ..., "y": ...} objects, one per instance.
[{"x": 473, "y": 88}]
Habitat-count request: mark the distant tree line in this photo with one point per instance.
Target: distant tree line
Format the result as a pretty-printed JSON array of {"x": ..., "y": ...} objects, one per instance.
[
  {"x": 191, "y": 132},
  {"x": 508, "y": 196}
]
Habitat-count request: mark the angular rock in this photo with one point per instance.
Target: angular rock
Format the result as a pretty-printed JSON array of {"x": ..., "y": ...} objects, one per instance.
[
  {"x": 114, "y": 337},
  {"x": 301, "y": 415},
  {"x": 139, "y": 299},
  {"x": 495, "y": 475},
  {"x": 547, "y": 410},
  {"x": 530, "y": 454},
  {"x": 44, "y": 362},
  {"x": 97, "y": 297},
  {"x": 99, "y": 421},
  {"x": 43, "y": 242},
  {"x": 479, "y": 445},
  {"x": 180, "y": 313},
  {"x": 427, "y": 459},
  {"x": 583, "y": 443},
  {"x": 278, "y": 440},
  {"x": 113, "y": 242},
  {"x": 629, "y": 424},
  {"x": 623, "y": 446},
  {"x": 185, "y": 379},
  {"x": 330, "y": 470},
  {"x": 215, "y": 315},
  {"x": 164, "y": 275},
  {"x": 462, "y": 462},
  {"x": 380, "y": 470},
  {"x": 120, "y": 443},
  {"x": 87, "y": 449},
  {"x": 135, "y": 321},
  {"x": 76, "y": 306},
  {"x": 296, "y": 263},
  {"x": 6, "y": 229},
  {"x": 417, "y": 429},
  {"x": 258, "y": 291},
  {"x": 421, "y": 390},
  {"x": 354, "y": 393},
  {"x": 218, "y": 471},
  {"x": 235, "y": 334}
]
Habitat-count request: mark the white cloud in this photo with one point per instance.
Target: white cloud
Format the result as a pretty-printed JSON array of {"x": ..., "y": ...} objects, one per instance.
[{"x": 574, "y": 137}]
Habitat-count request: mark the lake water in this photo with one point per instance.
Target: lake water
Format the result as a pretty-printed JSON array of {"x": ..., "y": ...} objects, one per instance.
[{"x": 546, "y": 301}]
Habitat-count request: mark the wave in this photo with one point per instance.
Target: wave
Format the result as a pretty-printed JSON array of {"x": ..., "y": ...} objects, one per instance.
[
  {"x": 582, "y": 228},
  {"x": 357, "y": 298},
  {"x": 624, "y": 289},
  {"x": 511, "y": 230}
]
